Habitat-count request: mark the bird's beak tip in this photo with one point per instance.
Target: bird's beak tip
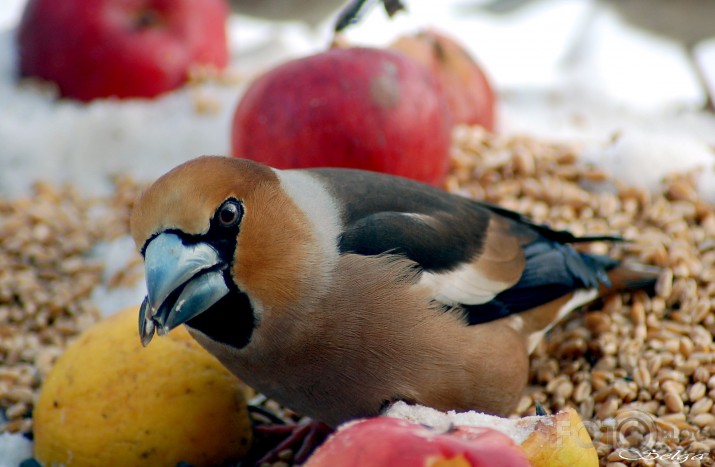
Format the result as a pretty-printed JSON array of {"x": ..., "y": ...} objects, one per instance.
[{"x": 146, "y": 324}]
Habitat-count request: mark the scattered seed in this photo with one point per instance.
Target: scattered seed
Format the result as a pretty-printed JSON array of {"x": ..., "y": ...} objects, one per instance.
[
  {"x": 704, "y": 420},
  {"x": 658, "y": 347},
  {"x": 702, "y": 405},
  {"x": 47, "y": 275},
  {"x": 673, "y": 402}
]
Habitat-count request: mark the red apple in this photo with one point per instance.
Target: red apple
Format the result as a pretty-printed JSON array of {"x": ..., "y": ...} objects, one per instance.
[
  {"x": 469, "y": 94},
  {"x": 387, "y": 442},
  {"x": 120, "y": 48},
  {"x": 356, "y": 107}
]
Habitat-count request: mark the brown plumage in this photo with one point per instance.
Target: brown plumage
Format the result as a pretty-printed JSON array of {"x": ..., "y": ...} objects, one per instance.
[
  {"x": 337, "y": 292},
  {"x": 345, "y": 357}
]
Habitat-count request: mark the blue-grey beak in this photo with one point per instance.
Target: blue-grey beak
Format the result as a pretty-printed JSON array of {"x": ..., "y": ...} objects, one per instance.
[{"x": 183, "y": 281}]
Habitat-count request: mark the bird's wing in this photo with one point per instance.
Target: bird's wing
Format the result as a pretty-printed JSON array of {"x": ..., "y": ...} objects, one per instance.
[{"x": 489, "y": 261}]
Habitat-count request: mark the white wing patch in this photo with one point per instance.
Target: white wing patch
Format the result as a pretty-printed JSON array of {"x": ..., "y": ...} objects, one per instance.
[
  {"x": 465, "y": 285},
  {"x": 580, "y": 297}
]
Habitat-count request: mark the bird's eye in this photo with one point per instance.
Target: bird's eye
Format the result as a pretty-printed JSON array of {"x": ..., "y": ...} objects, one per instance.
[{"x": 229, "y": 214}]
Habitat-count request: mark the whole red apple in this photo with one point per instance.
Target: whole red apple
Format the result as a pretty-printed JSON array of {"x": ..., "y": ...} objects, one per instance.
[
  {"x": 387, "y": 442},
  {"x": 469, "y": 94},
  {"x": 357, "y": 107},
  {"x": 120, "y": 48}
]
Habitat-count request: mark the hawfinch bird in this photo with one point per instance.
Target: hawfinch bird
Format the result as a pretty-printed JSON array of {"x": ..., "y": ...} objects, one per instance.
[{"x": 337, "y": 291}]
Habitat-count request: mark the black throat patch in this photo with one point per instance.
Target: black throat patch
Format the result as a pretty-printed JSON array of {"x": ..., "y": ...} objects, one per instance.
[{"x": 230, "y": 321}]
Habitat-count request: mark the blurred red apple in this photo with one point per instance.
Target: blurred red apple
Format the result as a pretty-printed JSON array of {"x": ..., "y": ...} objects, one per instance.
[
  {"x": 464, "y": 83},
  {"x": 356, "y": 107},
  {"x": 120, "y": 48},
  {"x": 387, "y": 442}
]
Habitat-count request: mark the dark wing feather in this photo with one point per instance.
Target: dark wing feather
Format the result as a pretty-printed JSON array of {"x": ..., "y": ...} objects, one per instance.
[
  {"x": 425, "y": 239},
  {"x": 490, "y": 261},
  {"x": 383, "y": 213},
  {"x": 552, "y": 271}
]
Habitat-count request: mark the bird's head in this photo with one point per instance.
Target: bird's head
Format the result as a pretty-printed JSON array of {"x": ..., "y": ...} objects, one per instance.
[{"x": 222, "y": 241}]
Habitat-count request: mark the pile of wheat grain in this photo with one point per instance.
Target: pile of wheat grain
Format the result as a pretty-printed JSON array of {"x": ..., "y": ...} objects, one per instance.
[
  {"x": 639, "y": 369},
  {"x": 47, "y": 275}
]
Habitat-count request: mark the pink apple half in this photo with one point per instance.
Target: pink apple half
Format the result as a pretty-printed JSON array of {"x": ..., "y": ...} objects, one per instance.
[{"x": 387, "y": 442}]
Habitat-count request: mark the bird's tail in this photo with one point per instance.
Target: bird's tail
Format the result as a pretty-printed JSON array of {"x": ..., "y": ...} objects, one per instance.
[
  {"x": 621, "y": 276},
  {"x": 631, "y": 275},
  {"x": 618, "y": 276}
]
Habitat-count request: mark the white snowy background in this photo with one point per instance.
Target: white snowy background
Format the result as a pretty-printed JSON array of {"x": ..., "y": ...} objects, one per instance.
[{"x": 565, "y": 70}]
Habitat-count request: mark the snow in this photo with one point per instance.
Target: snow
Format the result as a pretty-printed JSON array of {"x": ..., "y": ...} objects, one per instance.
[
  {"x": 553, "y": 62},
  {"x": 116, "y": 256},
  {"x": 517, "y": 429},
  {"x": 14, "y": 449},
  {"x": 565, "y": 70},
  {"x": 630, "y": 155},
  {"x": 67, "y": 141}
]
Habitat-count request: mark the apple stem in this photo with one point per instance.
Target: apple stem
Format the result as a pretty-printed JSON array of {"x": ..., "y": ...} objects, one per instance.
[{"x": 356, "y": 9}]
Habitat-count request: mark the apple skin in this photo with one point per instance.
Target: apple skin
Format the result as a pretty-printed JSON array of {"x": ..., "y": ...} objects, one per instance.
[
  {"x": 120, "y": 48},
  {"x": 386, "y": 442},
  {"x": 469, "y": 93},
  {"x": 361, "y": 108}
]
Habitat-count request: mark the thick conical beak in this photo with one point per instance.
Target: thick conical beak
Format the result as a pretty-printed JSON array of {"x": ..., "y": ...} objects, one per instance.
[{"x": 183, "y": 280}]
